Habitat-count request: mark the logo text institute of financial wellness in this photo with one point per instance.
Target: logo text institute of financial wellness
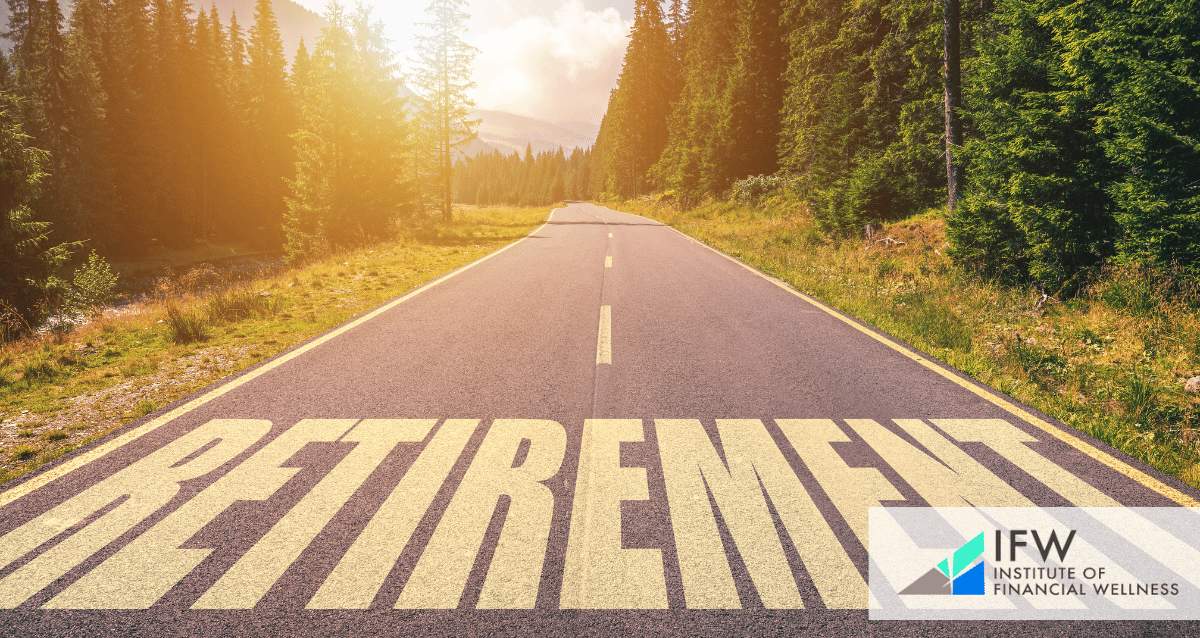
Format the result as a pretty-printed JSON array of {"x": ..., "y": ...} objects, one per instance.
[{"x": 951, "y": 576}]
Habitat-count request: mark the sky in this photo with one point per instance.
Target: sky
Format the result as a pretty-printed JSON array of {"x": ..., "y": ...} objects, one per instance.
[{"x": 555, "y": 60}]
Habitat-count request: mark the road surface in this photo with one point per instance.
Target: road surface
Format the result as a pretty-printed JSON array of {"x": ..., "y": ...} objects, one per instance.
[{"x": 604, "y": 428}]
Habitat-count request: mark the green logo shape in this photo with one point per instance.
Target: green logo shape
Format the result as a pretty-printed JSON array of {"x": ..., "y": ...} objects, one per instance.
[{"x": 965, "y": 555}]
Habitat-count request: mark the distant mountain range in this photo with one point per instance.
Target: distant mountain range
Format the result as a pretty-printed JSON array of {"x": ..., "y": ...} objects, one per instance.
[
  {"x": 507, "y": 133},
  {"x": 510, "y": 133},
  {"x": 295, "y": 21}
]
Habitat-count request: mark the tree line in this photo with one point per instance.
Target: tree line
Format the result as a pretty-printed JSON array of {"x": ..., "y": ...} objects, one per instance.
[
  {"x": 1073, "y": 140},
  {"x": 548, "y": 177},
  {"x": 144, "y": 123}
]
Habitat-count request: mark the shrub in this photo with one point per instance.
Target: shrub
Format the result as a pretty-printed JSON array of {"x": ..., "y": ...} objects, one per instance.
[{"x": 92, "y": 288}]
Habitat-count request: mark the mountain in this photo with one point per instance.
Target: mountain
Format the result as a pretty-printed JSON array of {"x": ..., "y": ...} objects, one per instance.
[
  {"x": 295, "y": 21},
  {"x": 508, "y": 132}
]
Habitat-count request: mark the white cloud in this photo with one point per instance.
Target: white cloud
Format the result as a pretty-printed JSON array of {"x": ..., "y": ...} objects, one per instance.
[
  {"x": 560, "y": 67},
  {"x": 552, "y": 59}
]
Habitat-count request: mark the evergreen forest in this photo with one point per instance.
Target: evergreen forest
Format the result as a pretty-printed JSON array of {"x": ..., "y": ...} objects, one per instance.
[
  {"x": 536, "y": 180},
  {"x": 1075, "y": 142},
  {"x": 136, "y": 124}
]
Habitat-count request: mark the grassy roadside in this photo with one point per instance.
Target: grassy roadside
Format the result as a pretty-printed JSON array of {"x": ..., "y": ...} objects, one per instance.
[
  {"x": 1110, "y": 362},
  {"x": 58, "y": 393}
]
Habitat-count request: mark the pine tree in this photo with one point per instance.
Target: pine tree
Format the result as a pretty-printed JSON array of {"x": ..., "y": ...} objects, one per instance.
[
  {"x": 863, "y": 116},
  {"x": 353, "y": 144},
  {"x": 27, "y": 263},
  {"x": 272, "y": 116},
  {"x": 1087, "y": 116},
  {"x": 689, "y": 164},
  {"x": 634, "y": 131},
  {"x": 237, "y": 54},
  {"x": 128, "y": 113},
  {"x": 84, "y": 181},
  {"x": 301, "y": 67},
  {"x": 753, "y": 96},
  {"x": 442, "y": 77}
]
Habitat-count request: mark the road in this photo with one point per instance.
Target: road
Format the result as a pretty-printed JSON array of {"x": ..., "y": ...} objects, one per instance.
[{"x": 604, "y": 428}]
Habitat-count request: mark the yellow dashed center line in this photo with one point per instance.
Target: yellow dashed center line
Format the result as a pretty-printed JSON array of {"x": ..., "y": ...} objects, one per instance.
[{"x": 608, "y": 261}]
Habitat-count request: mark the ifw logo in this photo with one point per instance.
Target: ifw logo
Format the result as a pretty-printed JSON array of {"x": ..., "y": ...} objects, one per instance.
[{"x": 953, "y": 576}]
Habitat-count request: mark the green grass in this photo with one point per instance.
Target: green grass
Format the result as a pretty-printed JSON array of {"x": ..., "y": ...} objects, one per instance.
[
  {"x": 149, "y": 346},
  {"x": 24, "y": 452},
  {"x": 1111, "y": 361}
]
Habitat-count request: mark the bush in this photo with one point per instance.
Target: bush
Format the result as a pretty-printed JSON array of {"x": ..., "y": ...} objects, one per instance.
[
  {"x": 92, "y": 288},
  {"x": 24, "y": 452}
]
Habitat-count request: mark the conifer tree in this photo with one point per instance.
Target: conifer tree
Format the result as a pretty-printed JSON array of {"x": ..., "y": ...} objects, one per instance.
[
  {"x": 634, "y": 130},
  {"x": 27, "y": 262},
  {"x": 353, "y": 142},
  {"x": 753, "y": 95},
  {"x": 690, "y": 161},
  {"x": 442, "y": 77},
  {"x": 271, "y": 116},
  {"x": 301, "y": 66}
]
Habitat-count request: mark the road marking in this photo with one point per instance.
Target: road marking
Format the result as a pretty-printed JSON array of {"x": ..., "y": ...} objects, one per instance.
[
  {"x": 512, "y": 580},
  {"x": 599, "y": 573},
  {"x": 257, "y": 570},
  {"x": 608, "y": 261},
  {"x": 1010, "y": 442},
  {"x": 610, "y": 234},
  {"x": 853, "y": 490},
  {"x": 692, "y": 470},
  {"x": 1001, "y": 402},
  {"x": 101, "y": 450},
  {"x": 361, "y": 572},
  {"x": 150, "y": 483},
  {"x": 144, "y": 570},
  {"x": 604, "y": 338},
  {"x": 948, "y": 478}
]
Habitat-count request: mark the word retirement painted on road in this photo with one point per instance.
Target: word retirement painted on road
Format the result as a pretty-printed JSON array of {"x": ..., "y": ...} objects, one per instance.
[{"x": 128, "y": 539}]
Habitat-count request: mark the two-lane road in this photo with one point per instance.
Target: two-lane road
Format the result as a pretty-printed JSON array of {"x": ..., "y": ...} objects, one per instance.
[{"x": 606, "y": 427}]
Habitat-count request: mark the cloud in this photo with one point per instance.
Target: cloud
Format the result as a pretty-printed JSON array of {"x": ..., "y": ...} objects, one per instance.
[{"x": 559, "y": 68}]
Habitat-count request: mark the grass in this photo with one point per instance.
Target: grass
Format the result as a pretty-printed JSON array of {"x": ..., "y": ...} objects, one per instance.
[
  {"x": 1111, "y": 361},
  {"x": 68, "y": 389}
]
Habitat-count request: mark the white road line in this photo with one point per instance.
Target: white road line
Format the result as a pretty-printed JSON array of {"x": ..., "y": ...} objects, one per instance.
[
  {"x": 608, "y": 261},
  {"x": 1083, "y": 446},
  {"x": 604, "y": 340},
  {"x": 146, "y": 428}
]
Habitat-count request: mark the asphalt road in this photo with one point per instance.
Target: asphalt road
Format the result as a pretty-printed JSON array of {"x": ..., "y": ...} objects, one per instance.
[{"x": 605, "y": 428}]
